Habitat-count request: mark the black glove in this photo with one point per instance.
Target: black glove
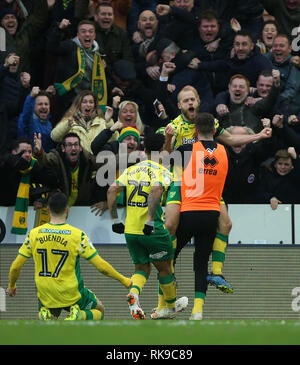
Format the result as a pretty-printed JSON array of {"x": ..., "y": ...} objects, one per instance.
[
  {"x": 118, "y": 226},
  {"x": 17, "y": 162},
  {"x": 148, "y": 228}
]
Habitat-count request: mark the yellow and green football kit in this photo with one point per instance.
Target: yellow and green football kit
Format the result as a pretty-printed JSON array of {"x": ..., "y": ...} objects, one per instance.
[
  {"x": 56, "y": 249},
  {"x": 185, "y": 133},
  {"x": 139, "y": 180}
]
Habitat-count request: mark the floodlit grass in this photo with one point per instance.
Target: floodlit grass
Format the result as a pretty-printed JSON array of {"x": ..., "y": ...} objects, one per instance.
[{"x": 131, "y": 332}]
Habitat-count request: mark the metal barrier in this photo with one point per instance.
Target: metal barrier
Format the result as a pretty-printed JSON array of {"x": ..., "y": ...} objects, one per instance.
[{"x": 252, "y": 224}]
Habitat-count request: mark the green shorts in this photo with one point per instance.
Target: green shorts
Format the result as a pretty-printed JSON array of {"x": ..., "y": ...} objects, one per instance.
[
  {"x": 174, "y": 194},
  {"x": 87, "y": 301},
  {"x": 145, "y": 249}
]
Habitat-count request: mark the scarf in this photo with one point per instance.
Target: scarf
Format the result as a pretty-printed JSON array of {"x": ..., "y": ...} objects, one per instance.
[
  {"x": 66, "y": 3},
  {"x": 20, "y": 9},
  {"x": 19, "y": 225},
  {"x": 98, "y": 78}
]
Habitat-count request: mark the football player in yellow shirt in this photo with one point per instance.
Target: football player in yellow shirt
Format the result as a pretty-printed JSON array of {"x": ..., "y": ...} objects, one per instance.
[
  {"x": 147, "y": 238},
  {"x": 182, "y": 131},
  {"x": 56, "y": 248}
]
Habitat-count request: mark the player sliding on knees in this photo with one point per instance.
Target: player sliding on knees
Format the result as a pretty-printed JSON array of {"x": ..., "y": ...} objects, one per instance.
[{"x": 56, "y": 248}]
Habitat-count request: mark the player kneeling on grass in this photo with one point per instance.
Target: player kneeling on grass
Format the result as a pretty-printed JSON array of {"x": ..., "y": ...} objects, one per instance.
[
  {"x": 56, "y": 248},
  {"x": 147, "y": 238}
]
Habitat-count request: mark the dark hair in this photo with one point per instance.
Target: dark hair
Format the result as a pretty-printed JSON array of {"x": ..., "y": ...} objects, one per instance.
[
  {"x": 58, "y": 203},
  {"x": 205, "y": 123},
  {"x": 22, "y": 139},
  {"x": 86, "y": 21},
  {"x": 243, "y": 33},
  {"x": 44, "y": 93},
  {"x": 282, "y": 154},
  {"x": 283, "y": 35},
  {"x": 71, "y": 134},
  {"x": 265, "y": 73},
  {"x": 103, "y": 4},
  {"x": 209, "y": 15},
  {"x": 270, "y": 21},
  {"x": 154, "y": 142}
]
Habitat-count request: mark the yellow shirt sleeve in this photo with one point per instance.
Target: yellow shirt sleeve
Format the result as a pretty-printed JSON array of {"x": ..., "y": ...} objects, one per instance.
[
  {"x": 105, "y": 268},
  {"x": 15, "y": 270}
]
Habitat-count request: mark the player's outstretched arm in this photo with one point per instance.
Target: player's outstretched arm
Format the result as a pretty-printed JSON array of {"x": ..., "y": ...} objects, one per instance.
[
  {"x": 238, "y": 139},
  {"x": 14, "y": 273},
  {"x": 106, "y": 269}
]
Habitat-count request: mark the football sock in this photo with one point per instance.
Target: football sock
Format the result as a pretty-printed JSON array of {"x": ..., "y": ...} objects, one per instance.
[
  {"x": 161, "y": 300},
  {"x": 218, "y": 253},
  {"x": 174, "y": 241},
  {"x": 168, "y": 287},
  {"x": 198, "y": 302},
  {"x": 92, "y": 314},
  {"x": 139, "y": 279}
]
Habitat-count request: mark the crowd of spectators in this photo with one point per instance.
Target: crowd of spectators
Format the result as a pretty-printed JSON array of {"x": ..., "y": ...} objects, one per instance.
[{"x": 79, "y": 77}]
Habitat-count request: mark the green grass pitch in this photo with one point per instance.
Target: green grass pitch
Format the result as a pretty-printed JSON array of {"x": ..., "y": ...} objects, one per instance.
[{"x": 168, "y": 332}]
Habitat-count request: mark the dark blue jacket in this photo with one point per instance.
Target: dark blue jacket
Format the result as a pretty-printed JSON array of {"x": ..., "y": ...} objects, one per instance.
[{"x": 249, "y": 67}]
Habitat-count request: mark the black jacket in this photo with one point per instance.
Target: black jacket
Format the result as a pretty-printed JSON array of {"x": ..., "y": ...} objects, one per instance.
[
  {"x": 243, "y": 177},
  {"x": 11, "y": 177},
  {"x": 284, "y": 188}
]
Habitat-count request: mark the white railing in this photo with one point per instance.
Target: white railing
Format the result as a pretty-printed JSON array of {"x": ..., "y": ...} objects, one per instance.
[{"x": 252, "y": 224}]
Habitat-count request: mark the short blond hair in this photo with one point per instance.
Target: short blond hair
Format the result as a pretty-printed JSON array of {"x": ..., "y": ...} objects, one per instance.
[{"x": 188, "y": 88}]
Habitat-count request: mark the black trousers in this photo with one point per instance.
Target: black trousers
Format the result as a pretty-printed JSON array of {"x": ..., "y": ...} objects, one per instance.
[{"x": 202, "y": 225}]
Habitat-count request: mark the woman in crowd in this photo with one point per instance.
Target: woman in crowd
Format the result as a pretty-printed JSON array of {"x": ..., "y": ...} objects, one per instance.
[
  {"x": 268, "y": 34},
  {"x": 84, "y": 119},
  {"x": 129, "y": 115}
]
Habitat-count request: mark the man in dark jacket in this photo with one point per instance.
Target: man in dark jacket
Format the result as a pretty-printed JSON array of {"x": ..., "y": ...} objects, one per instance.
[
  {"x": 280, "y": 58},
  {"x": 210, "y": 43},
  {"x": 79, "y": 64},
  {"x": 235, "y": 112},
  {"x": 113, "y": 40},
  {"x": 19, "y": 39},
  {"x": 247, "y": 60},
  {"x": 74, "y": 166},
  {"x": 14, "y": 164},
  {"x": 245, "y": 160}
]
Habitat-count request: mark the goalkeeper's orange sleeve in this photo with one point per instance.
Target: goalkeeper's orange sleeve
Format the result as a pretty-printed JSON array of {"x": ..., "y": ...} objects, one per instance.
[{"x": 105, "y": 268}]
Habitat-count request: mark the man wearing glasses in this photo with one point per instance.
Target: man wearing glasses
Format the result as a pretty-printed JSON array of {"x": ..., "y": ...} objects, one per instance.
[{"x": 75, "y": 167}]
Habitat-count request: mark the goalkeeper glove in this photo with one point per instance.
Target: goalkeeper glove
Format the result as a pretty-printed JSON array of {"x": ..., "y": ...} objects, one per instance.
[
  {"x": 118, "y": 226},
  {"x": 148, "y": 228}
]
